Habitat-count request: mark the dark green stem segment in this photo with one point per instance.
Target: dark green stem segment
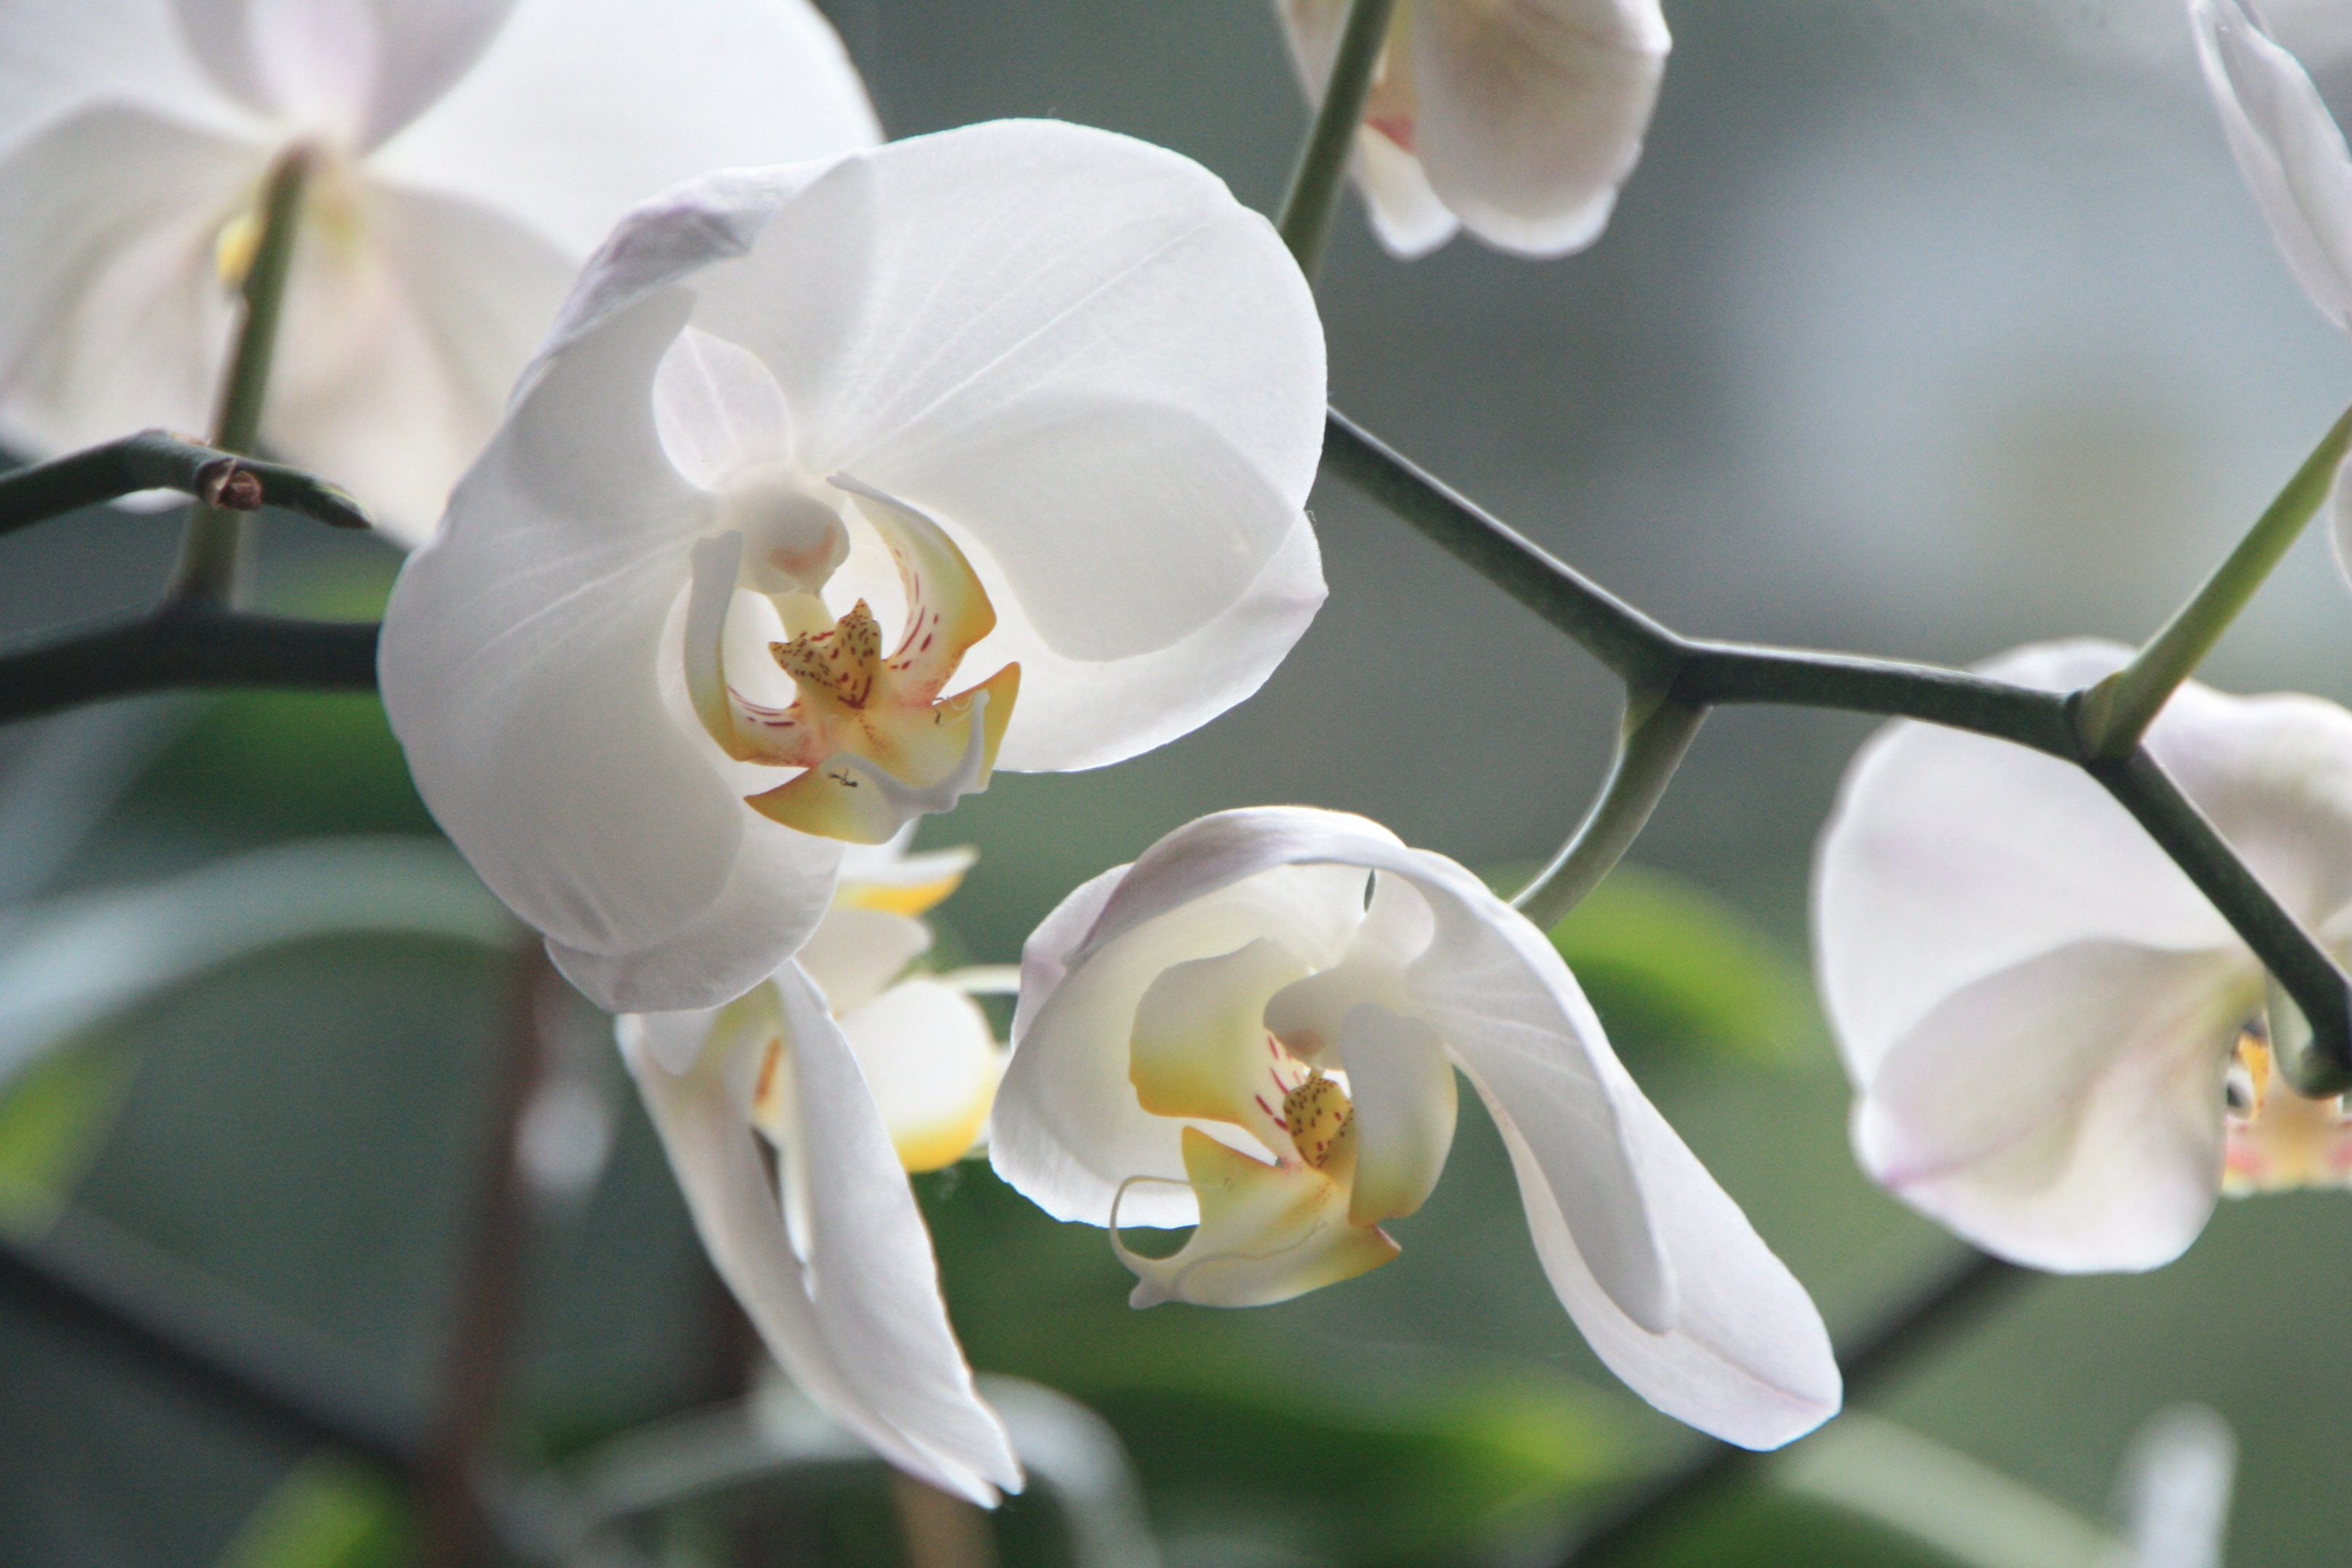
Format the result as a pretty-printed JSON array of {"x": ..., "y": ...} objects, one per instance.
[
  {"x": 1653, "y": 1513},
  {"x": 1652, "y": 659},
  {"x": 212, "y": 552},
  {"x": 1305, "y": 223},
  {"x": 186, "y": 648},
  {"x": 2305, "y": 1050},
  {"x": 2113, "y": 714},
  {"x": 157, "y": 459},
  {"x": 1650, "y": 746},
  {"x": 1641, "y": 653}
]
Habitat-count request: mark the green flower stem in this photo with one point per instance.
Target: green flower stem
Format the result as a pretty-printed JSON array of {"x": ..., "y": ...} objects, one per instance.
[
  {"x": 213, "y": 552},
  {"x": 1734, "y": 673},
  {"x": 1643, "y": 654},
  {"x": 1308, "y": 207},
  {"x": 1654, "y": 736},
  {"x": 157, "y": 459},
  {"x": 1695, "y": 675},
  {"x": 2113, "y": 714},
  {"x": 2312, "y": 1055},
  {"x": 188, "y": 650}
]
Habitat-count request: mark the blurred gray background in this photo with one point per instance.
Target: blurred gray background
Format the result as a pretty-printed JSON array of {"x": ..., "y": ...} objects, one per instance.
[{"x": 1920, "y": 330}]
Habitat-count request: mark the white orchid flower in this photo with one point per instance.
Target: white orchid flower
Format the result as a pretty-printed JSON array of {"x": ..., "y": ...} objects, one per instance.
[
  {"x": 1229, "y": 1035},
  {"x": 1517, "y": 121},
  {"x": 467, "y": 155},
  {"x": 853, "y": 1081},
  {"x": 2059, "y": 1046},
  {"x": 1045, "y": 398},
  {"x": 2287, "y": 146}
]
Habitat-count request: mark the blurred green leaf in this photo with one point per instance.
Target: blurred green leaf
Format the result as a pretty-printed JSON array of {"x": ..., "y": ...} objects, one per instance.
[
  {"x": 52, "y": 1121},
  {"x": 1941, "y": 1496},
  {"x": 76, "y": 959},
  {"x": 1244, "y": 1427},
  {"x": 1370, "y": 1475},
  {"x": 1665, "y": 960},
  {"x": 1759, "y": 1528},
  {"x": 329, "y": 1512},
  {"x": 292, "y": 762}
]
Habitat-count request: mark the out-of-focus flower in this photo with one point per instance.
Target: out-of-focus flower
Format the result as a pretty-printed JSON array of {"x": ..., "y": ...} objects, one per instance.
[
  {"x": 1517, "y": 122},
  {"x": 468, "y": 153},
  {"x": 922, "y": 1044},
  {"x": 1047, "y": 399},
  {"x": 2060, "y": 1048},
  {"x": 1228, "y": 1033},
  {"x": 2294, "y": 158},
  {"x": 2174, "y": 1490},
  {"x": 2287, "y": 146}
]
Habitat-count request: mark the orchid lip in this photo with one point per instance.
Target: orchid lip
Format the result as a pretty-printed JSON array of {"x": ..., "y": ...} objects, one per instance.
[{"x": 877, "y": 744}]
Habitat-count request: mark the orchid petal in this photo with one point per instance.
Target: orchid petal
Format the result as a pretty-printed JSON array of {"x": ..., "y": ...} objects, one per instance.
[
  {"x": 599, "y": 821},
  {"x": 1520, "y": 1027},
  {"x": 1951, "y": 855},
  {"x": 1133, "y": 280},
  {"x": 2287, "y": 146},
  {"x": 1067, "y": 1131},
  {"x": 1267, "y": 1234},
  {"x": 2066, "y": 1111},
  {"x": 1402, "y": 1082},
  {"x": 1532, "y": 115},
  {"x": 718, "y": 410},
  {"x": 885, "y": 876},
  {"x": 580, "y": 107},
  {"x": 854, "y": 1314},
  {"x": 1079, "y": 714},
  {"x": 1408, "y": 217},
  {"x": 675, "y": 1041},
  {"x": 361, "y": 67},
  {"x": 99, "y": 335},
  {"x": 1745, "y": 1356},
  {"x": 855, "y": 954},
  {"x": 421, "y": 330},
  {"x": 932, "y": 1062},
  {"x": 775, "y": 892},
  {"x": 1199, "y": 1048},
  {"x": 57, "y": 61},
  {"x": 1406, "y": 214}
]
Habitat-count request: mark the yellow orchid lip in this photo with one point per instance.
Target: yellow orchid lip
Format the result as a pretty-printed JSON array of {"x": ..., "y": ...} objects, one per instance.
[
  {"x": 1267, "y": 1233},
  {"x": 877, "y": 743},
  {"x": 2274, "y": 1139},
  {"x": 1202, "y": 1050}
]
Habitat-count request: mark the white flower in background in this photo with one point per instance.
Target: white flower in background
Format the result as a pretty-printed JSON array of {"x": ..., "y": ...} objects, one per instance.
[
  {"x": 2294, "y": 158},
  {"x": 1043, "y": 402},
  {"x": 2059, "y": 1046},
  {"x": 1228, "y": 1033},
  {"x": 470, "y": 154},
  {"x": 830, "y": 1260},
  {"x": 1517, "y": 121},
  {"x": 2287, "y": 146}
]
